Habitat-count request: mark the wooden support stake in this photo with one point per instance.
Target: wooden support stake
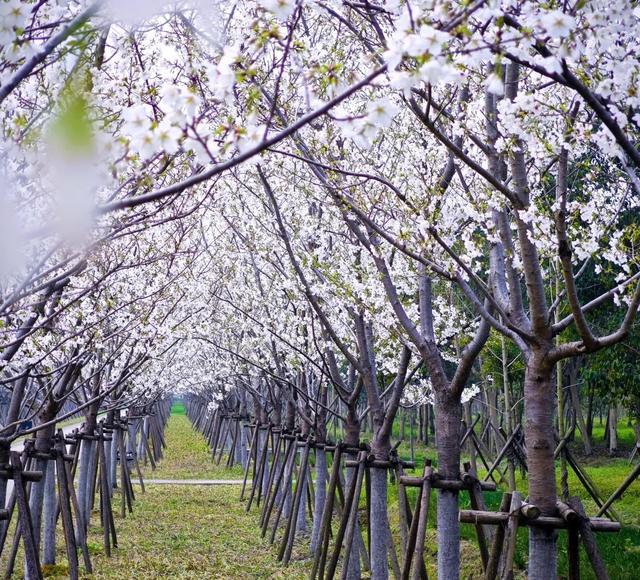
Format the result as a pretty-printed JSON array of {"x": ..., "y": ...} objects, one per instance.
[
  {"x": 81, "y": 529},
  {"x": 498, "y": 540},
  {"x": 588, "y": 484},
  {"x": 325, "y": 525},
  {"x": 252, "y": 451},
  {"x": 422, "y": 517},
  {"x": 404, "y": 511},
  {"x": 589, "y": 540},
  {"x": 65, "y": 511},
  {"x": 256, "y": 484},
  {"x": 573, "y": 549},
  {"x": 352, "y": 523},
  {"x": 273, "y": 498},
  {"x": 346, "y": 510},
  {"x": 270, "y": 482},
  {"x": 290, "y": 532},
  {"x": 286, "y": 490},
  {"x": 32, "y": 558},
  {"x": 618, "y": 492},
  {"x": 511, "y": 536},
  {"x": 477, "y": 503}
]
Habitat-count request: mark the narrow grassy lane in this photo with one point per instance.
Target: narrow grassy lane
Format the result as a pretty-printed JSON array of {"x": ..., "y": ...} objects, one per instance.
[
  {"x": 188, "y": 531},
  {"x": 187, "y": 455}
]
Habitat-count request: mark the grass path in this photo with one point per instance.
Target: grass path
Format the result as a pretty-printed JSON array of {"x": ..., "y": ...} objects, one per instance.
[
  {"x": 187, "y": 455},
  {"x": 193, "y": 532}
]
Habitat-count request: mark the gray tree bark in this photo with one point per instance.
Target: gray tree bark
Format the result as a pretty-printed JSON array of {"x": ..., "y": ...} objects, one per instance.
[
  {"x": 379, "y": 524},
  {"x": 321, "y": 496},
  {"x": 448, "y": 447},
  {"x": 50, "y": 513},
  {"x": 539, "y": 393}
]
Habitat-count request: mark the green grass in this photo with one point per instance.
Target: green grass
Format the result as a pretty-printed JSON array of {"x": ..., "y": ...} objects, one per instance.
[
  {"x": 191, "y": 532},
  {"x": 626, "y": 437},
  {"x": 187, "y": 455},
  {"x": 205, "y": 532},
  {"x": 187, "y": 532}
]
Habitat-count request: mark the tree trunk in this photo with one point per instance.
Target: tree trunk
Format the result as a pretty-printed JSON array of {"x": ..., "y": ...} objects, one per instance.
[
  {"x": 353, "y": 566},
  {"x": 379, "y": 524},
  {"x": 448, "y": 417},
  {"x": 50, "y": 513},
  {"x": 144, "y": 430},
  {"x": 36, "y": 501},
  {"x": 264, "y": 436},
  {"x": 44, "y": 442},
  {"x": 132, "y": 428},
  {"x": 321, "y": 496},
  {"x": 590, "y": 415},
  {"x": 93, "y": 466},
  {"x": 301, "y": 524},
  {"x": 613, "y": 431},
  {"x": 244, "y": 442},
  {"x": 113, "y": 463},
  {"x": 107, "y": 455},
  {"x": 492, "y": 404},
  {"x": 237, "y": 452},
  {"x": 575, "y": 399},
  {"x": 540, "y": 406},
  {"x": 352, "y": 438},
  {"x": 4, "y": 460},
  {"x": 84, "y": 480}
]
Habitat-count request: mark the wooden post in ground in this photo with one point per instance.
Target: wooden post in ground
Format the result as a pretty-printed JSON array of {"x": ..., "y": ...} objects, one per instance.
[
  {"x": 352, "y": 521},
  {"x": 477, "y": 503},
  {"x": 498, "y": 540},
  {"x": 290, "y": 532},
  {"x": 32, "y": 557},
  {"x": 589, "y": 540},
  {"x": 325, "y": 526},
  {"x": 252, "y": 452},
  {"x": 511, "y": 536},
  {"x": 286, "y": 490},
  {"x": 346, "y": 509},
  {"x": 422, "y": 518},
  {"x": 273, "y": 498},
  {"x": 64, "y": 503}
]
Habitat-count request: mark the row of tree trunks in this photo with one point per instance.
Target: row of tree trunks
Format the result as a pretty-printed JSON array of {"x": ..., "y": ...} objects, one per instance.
[{"x": 43, "y": 489}]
